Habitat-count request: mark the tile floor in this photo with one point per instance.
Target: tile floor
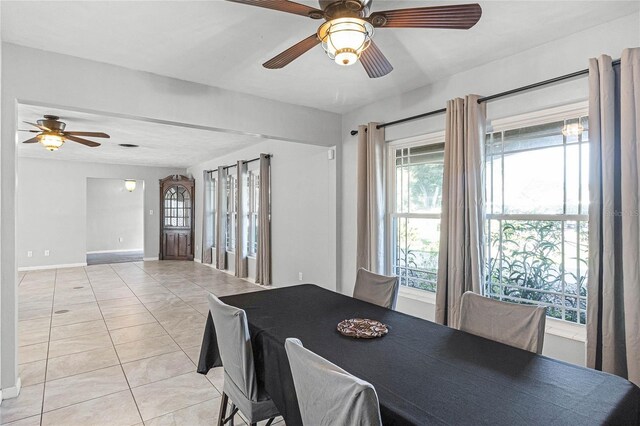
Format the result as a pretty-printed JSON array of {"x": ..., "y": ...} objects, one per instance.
[{"x": 117, "y": 345}]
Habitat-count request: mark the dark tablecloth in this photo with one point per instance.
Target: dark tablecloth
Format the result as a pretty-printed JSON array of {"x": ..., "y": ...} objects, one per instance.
[{"x": 424, "y": 373}]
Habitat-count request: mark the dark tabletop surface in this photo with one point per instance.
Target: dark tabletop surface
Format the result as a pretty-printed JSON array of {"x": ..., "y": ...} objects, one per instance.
[{"x": 424, "y": 373}]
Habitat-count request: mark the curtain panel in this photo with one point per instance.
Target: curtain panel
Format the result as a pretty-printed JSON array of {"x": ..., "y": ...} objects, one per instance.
[
  {"x": 461, "y": 259},
  {"x": 263, "y": 255},
  {"x": 242, "y": 207},
  {"x": 613, "y": 300},
  {"x": 208, "y": 218},
  {"x": 370, "y": 227},
  {"x": 221, "y": 220}
]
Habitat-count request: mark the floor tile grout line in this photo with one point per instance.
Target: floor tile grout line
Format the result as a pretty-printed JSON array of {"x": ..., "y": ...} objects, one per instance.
[
  {"x": 167, "y": 331},
  {"x": 114, "y": 347},
  {"x": 46, "y": 364}
]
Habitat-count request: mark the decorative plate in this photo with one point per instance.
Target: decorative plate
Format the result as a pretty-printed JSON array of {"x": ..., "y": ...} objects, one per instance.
[{"x": 362, "y": 328}]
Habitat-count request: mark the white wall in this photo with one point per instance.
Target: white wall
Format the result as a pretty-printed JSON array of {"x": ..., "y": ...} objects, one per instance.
[
  {"x": 115, "y": 216},
  {"x": 303, "y": 197},
  {"x": 546, "y": 61},
  {"x": 52, "y": 207},
  {"x": 93, "y": 86}
]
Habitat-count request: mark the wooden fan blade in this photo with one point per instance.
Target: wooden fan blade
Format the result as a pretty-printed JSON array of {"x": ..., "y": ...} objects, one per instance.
[
  {"x": 90, "y": 134},
  {"x": 292, "y": 53},
  {"x": 374, "y": 62},
  {"x": 44, "y": 129},
  {"x": 32, "y": 140},
  {"x": 285, "y": 6},
  {"x": 82, "y": 141},
  {"x": 31, "y": 131},
  {"x": 462, "y": 17}
]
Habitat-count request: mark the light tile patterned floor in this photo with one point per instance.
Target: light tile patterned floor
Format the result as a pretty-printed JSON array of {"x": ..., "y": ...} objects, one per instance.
[{"x": 117, "y": 345}]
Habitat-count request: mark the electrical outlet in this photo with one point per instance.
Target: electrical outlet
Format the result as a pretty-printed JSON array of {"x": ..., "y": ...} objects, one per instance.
[
  {"x": 46, "y": 252},
  {"x": 151, "y": 212},
  {"x": 120, "y": 239},
  {"x": 29, "y": 253},
  {"x": 299, "y": 276}
]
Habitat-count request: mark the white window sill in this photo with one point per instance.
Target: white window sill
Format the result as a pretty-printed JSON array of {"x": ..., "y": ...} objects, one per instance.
[{"x": 556, "y": 327}]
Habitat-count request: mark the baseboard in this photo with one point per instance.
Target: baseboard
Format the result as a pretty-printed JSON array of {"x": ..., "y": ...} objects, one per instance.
[
  {"x": 38, "y": 268},
  {"x": 195, "y": 259},
  {"x": 149, "y": 259},
  {"x": 12, "y": 392},
  {"x": 115, "y": 251}
]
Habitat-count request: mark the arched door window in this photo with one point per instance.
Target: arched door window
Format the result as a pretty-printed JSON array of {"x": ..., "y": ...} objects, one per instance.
[{"x": 177, "y": 207}]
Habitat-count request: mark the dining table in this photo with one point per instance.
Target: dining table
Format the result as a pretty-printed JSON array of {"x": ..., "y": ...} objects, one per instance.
[{"x": 423, "y": 373}]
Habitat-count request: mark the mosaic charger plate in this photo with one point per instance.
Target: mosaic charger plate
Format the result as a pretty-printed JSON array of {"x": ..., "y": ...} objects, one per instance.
[{"x": 362, "y": 328}]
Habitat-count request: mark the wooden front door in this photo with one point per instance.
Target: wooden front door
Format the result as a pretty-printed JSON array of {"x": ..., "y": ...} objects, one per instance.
[{"x": 176, "y": 221}]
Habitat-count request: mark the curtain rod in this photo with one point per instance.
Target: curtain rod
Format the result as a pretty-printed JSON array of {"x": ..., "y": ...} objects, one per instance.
[
  {"x": 233, "y": 165},
  {"x": 491, "y": 97}
]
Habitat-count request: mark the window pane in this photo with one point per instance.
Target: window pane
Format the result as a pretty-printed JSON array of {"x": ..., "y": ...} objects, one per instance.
[
  {"x": 416, "y": 252},
  {"x": 534, "y": 181}
]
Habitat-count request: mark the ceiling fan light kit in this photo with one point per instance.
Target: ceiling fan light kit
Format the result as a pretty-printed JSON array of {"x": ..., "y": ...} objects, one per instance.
[
  {"x": 347, "y": 34},
  {"x": 51, "y": 141}
]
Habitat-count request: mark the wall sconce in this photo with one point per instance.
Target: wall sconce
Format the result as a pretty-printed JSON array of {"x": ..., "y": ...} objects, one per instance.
[{"x": 130, "y": 185}]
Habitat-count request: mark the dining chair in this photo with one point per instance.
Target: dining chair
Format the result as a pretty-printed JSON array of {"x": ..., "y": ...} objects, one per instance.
[
  {"x": 513, "y": 324},
  {"x": 380, "y": 290},
  {"x": 240, "y": 384},
  {"x": 328, "y": 395}
]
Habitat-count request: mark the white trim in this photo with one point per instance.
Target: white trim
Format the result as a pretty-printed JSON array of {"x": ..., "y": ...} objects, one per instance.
[
  {"x": 573, "y": 110},
  {"x": 12, "y": 392},
  {"x": 149, "y": 259},
  {"x": 426, "y": 139},
  {"x": 114, "y": 251},
  {"x": 416, "y": 294},
  {"x": 195, "y": 259},
  {"x": 42, "y": 267}
]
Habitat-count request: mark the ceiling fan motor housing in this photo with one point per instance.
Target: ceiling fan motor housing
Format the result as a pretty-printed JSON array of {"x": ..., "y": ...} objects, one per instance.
[
  {"x": 53, "y": 123},
  {"x": 345, "y": 8}
]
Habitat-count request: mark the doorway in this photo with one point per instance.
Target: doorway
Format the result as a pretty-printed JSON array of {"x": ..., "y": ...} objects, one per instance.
[{"x": 115, "y": 220}]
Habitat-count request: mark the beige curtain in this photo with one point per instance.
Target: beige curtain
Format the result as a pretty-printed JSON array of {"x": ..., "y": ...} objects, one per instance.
[
  {"x": 370, "y": 225},
  {"x": 461, "y": 259},
  {"x": 241, "y": 220},
  {"x": 263, "y": 256},
  {"x": 613, "y": 308},
  {"x": 208, "y": 218},
  {"x": 221, "y": 219}
]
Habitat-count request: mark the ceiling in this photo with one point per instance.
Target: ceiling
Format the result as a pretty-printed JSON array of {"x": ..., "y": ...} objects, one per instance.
[
  {"x": 223, "y": 44},
  {"x": 162, "y": 145}
]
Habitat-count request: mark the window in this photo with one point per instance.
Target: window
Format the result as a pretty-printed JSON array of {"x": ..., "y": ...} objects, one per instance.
[
  {"x": 537, "y": 216},
  {"x": 416, "y": 171},
  {"x": 254, "y": 198},
  {"x": 177, "y": 207},
  {"x": 212, "y": 208},
  {"x": 232, "y": 212}
]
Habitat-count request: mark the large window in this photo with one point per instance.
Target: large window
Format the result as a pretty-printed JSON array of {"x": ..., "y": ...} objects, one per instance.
[
  {"x": 232, "y": 211},
  {"x": 416, "y": 171},
  {"x": 537, "y": 215},
  {"x": 254, "y": 198}
]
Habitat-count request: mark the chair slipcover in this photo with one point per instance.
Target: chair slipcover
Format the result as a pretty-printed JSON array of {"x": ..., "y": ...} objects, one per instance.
[
  {"x": 377, "y": 289},
  {"x": 513, "y": 324},
  {"x": 328, "y": 395},
  {"x": 234, "y": 343}
]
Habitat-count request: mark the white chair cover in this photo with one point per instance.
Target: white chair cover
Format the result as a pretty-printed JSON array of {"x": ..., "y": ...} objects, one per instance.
[
  {"x": 328, "y": 395},
  {"x": 234, "y": 344},
  {"x": 380, "y": 290},
  {"x": 513, "y": 324}
]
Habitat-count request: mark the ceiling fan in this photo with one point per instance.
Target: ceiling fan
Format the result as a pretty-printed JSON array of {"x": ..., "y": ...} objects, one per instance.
[
  {"x": 51, "y": 134},
  {"x": 346, "y": 35}
]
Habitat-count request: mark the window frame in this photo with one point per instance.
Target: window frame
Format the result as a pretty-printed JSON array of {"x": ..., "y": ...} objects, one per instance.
[
  {"x": 433, "y": 138},
  {"x": 252, "y": 212},
  {"x": 231, "y": 212},
  {"x": 562, "y": 113}
]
